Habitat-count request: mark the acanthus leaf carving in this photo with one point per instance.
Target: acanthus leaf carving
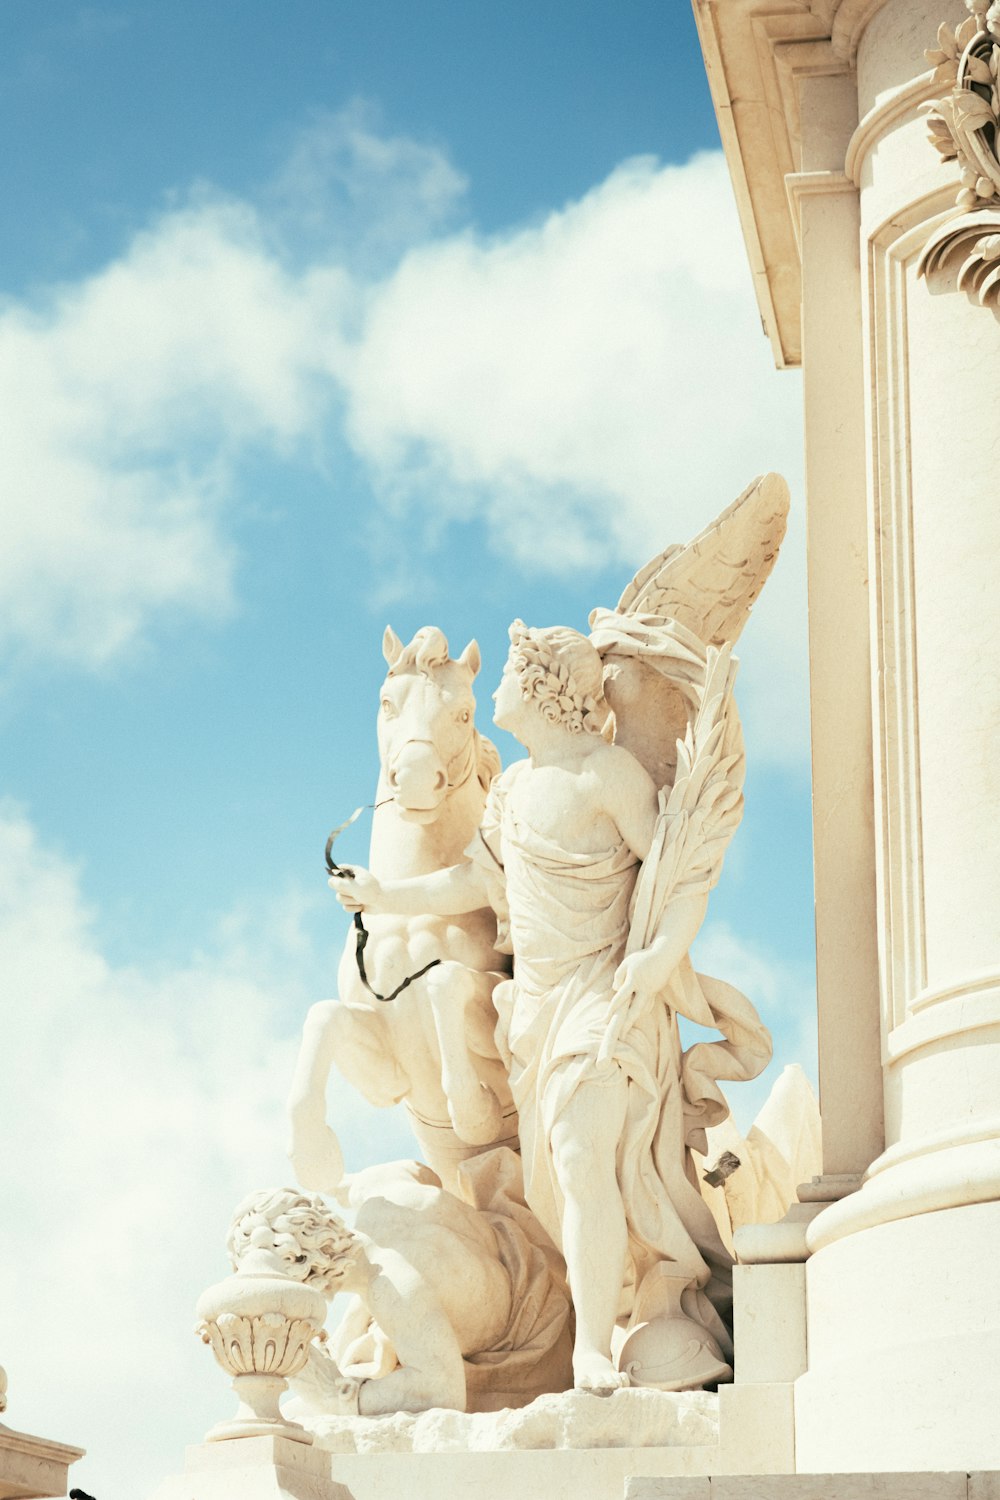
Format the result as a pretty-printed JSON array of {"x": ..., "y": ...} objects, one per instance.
[{"x": 965, "y": 127}]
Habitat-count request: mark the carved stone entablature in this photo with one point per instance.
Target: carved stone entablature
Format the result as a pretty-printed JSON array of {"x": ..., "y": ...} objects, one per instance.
[{"x": 965, "y": 127}]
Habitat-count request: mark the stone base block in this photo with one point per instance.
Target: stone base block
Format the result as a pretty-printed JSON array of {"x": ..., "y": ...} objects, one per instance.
[
  {"x": 555, "y": 1474},
  {"x": 904, "y": 1325},
  {"x": 769, "y": 1310},
  {"x": 756, "y": 1430},
  {"x": 32, "y": 1467},
  {"x": 569, "y": 1447},
  {"x": 255, "y": 1468},
  {"x": 820, "y": 1487}
]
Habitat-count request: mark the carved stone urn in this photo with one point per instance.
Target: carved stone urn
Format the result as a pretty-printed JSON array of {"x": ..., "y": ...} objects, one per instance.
[{"x": 260, "y": 1324}]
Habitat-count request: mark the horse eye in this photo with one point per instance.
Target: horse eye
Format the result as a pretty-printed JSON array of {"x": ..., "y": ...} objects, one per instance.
[
  {"x": 465, "y": 716},
  {"x": 388, "y": 708}
]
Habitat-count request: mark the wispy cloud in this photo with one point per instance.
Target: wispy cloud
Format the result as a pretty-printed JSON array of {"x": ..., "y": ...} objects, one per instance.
[
  {"x": 144, "y": 1105},
  {"x": 596, "y": 387},
  {"x": 128, "y": 401},
  {"x": 350, "y": 191},
  {"x": 607, "y": 359},
  {"x": 593, "y": 387}
]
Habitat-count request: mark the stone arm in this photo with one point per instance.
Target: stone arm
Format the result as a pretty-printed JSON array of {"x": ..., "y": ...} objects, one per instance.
[
  {"x": 648, "y": 970},
  {"x": 447, "y": 893},
  {"x": 631, "y": 799}
]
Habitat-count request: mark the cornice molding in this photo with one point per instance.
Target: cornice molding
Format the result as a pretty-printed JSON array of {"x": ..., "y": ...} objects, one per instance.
[{"x": 757, "y": 55}]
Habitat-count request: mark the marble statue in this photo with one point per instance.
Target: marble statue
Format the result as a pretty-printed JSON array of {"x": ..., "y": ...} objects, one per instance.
[
  {"x": 433, "y": 1046},
  {"x": 597, "y": 853},
  {"x": 452, "y": 1304}
]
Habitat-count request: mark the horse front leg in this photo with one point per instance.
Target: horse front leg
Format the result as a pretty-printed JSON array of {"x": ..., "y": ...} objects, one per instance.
[
  {"x": 357, "y": 1042},
  {"x": 473, "y": 1108}
]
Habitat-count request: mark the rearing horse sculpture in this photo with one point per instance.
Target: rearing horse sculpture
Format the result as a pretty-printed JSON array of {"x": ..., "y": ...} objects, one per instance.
[{"x": 432, "y": 1046}]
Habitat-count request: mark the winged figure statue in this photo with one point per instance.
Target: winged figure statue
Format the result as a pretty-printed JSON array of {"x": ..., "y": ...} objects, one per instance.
[{"x": 597, "y": 852}]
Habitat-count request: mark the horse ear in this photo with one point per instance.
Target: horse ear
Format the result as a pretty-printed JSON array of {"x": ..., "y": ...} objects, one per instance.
[
  {"x": 471, "y": 658},
  {"x": 392, "y": 646}
]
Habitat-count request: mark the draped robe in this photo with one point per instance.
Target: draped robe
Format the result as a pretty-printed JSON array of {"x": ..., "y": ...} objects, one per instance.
[{"x": 570, "y": 918}]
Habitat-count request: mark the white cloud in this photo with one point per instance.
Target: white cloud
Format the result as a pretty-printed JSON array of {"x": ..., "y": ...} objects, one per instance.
[
  {"x": 126, "y": 401},
  {"x": 144, "y": 1106},
  {"x": 597, "y": 386},
  {"x": 349, "y": 191},
  {"x": 610, "y": 355}
]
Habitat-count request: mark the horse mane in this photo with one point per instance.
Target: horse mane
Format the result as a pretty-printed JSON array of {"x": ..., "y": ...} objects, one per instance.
[{"x": 427, "y": 650}]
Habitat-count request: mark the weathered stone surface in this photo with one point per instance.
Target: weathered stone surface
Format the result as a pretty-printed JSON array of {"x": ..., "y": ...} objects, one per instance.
[{"x": 627, "y": 1419}]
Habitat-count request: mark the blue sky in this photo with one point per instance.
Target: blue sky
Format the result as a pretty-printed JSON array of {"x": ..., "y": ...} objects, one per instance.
[{"x": 315, "y": 317}]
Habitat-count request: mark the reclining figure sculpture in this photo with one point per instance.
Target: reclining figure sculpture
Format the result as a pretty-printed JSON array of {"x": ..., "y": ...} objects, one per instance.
[{"x": 452, "y": 1304}]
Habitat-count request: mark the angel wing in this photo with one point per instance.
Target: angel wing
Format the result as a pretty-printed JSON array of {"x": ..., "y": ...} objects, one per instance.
[
  {"x": 711, "y": 584},
  {"x": 687, "y": 599}
]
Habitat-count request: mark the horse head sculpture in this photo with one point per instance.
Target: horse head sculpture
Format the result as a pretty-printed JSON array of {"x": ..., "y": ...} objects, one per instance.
[{"x": 428, "y": 742}]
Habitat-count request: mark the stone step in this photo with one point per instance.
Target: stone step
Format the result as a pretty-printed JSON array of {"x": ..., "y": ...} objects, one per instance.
[{"x": 984, "y": 1485}]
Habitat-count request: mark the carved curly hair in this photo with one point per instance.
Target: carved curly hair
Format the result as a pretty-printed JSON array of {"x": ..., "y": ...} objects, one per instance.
[
  {"x": 284, "y": 1219},
  {"x": 560, "y": 670}
]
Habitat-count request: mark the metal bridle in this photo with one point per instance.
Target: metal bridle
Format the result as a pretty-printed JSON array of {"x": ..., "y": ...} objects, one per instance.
[{"x": 361, "y": 932}]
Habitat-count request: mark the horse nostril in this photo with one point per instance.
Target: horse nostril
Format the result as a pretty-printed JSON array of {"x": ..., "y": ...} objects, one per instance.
[
  {"x": 440, "y": 781},
  {"x": 393, "y": 778}
]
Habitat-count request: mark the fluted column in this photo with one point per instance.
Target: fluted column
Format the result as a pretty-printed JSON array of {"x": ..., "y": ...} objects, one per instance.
[
  {"x": 903, "y": 1318},
  {"x": 933, "y": 364}
]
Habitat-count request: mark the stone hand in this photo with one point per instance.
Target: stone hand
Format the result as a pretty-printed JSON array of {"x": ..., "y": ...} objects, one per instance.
[
  {"x": 643, "y": 973},
  {"x": 337, "y": 1393},
  {"x": 347, "y": 1396},
  {"x": 359, "y": 891}
]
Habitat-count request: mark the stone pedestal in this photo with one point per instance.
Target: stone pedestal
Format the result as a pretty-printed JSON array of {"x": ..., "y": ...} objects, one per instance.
[
  {"x": 32, "y": 1467},
  {"x": 903, "y": 1371},
  {"x": 572, "y": 1446},
  {"x": 254, "y": 1468}
]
